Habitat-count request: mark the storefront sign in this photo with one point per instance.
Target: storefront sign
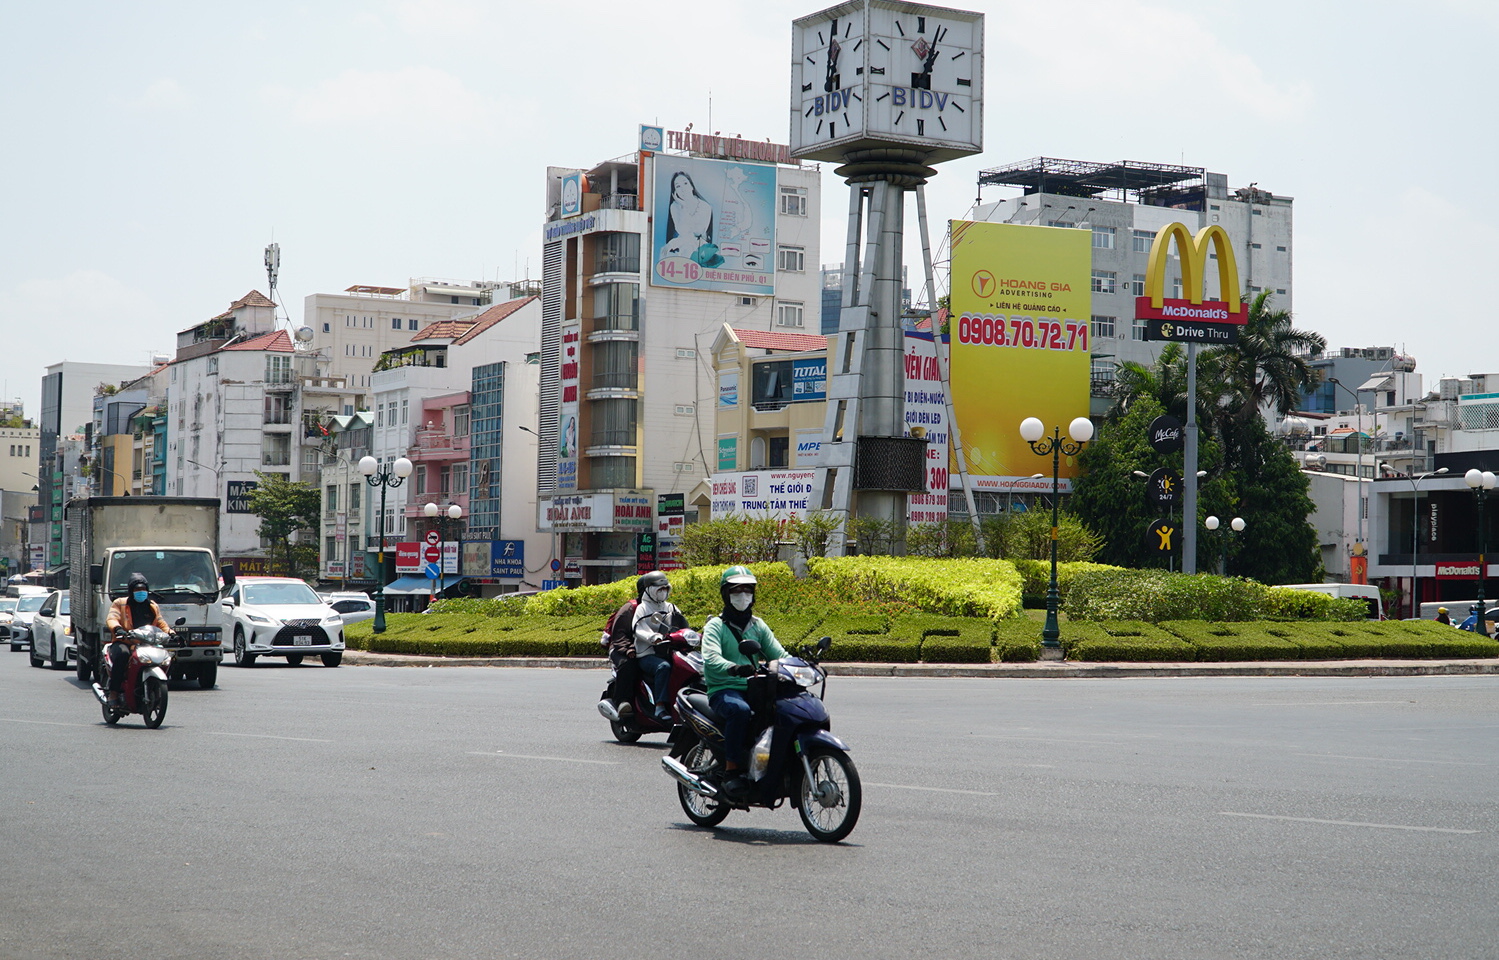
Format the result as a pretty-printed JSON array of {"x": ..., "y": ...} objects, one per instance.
[
  {"x": 1457, "y": 571},
  {"x": 809, "y": 379},
  {"x": 237, "y": 499},
  {"x": 409, "y": 557},
  {"x": 762, "y": 493}
]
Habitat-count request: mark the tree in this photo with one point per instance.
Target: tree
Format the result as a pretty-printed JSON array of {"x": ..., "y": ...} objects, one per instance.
[
  {"x": 287, "y": 510},
  {"x": 1270, "y": 492}
]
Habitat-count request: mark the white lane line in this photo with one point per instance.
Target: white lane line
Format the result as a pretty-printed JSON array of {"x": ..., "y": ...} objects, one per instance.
[
  {"x": 1330, "y": 703},
  {"x": 267, "y": 736},
  {"x": 905, "y": 786},
  {"x": 1338, "y": 756},
  {"x": 1347, "y": 823},
  {"x": 46, "y": 723},
  {"x": 522, "y": 756},
  {"x": 1097, "y": 743}
]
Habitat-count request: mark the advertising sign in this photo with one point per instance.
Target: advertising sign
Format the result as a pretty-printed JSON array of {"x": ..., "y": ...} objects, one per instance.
[
  {"x": 237, "y": 498},
  {"x": 713, "y": 225},
  {"x": 356, "y": 566},
  {"x": 808, "y": 447},
  {"x": 567, "y": 410},
  {"x": 926, "y": 419},
  {"x": 1164, "y": 488},
  {"x": 652, "y": 139},
  {"x": 591, "y": 511},
  {"x": 671, "y": 510},
  {"x": 1161, "y": 536},
  {"x": 645, "y": 553},
  {"x": 333, "y": 568},
  {"x": 763, "y": 493},
  {"x": 1021, "y": 306},
  {"x": 494, "y": 559},
  {"x": 632, "y": 512},
  {"x": 450, "y": 557},
  {"x": 809, "y": 379},
  {"x": 728, "y": 453},
  {"x": 572, "y": 194},
  {"x": 1164, "y": 434},
  {"x": 1192, "y": 320},
  {"x": 409, "y": 557},
  {"x": 728, "y": 388}
]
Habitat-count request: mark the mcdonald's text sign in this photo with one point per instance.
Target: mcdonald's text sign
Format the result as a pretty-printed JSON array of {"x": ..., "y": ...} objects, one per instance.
[{"x": 1194, "y": 314}]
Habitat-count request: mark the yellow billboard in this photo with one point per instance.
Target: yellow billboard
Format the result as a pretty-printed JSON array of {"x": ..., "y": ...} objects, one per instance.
[{"x": 1021, "y": 342}]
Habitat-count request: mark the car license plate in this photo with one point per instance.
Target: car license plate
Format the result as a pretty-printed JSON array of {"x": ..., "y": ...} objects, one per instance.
[{"x": 301, "y": 640}]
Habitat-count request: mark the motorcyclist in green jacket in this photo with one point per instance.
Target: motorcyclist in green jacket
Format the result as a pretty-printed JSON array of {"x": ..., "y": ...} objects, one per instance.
[{"x": 725, "y": 669}]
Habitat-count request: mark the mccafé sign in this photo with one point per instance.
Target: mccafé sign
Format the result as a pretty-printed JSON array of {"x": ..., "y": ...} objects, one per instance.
[{"x": 1192, "y": 319}]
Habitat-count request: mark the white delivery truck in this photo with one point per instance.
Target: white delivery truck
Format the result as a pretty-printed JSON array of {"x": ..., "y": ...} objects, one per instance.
[
  {"x": 1366, "y": 592},
  {"x": 174, "y": 543}
]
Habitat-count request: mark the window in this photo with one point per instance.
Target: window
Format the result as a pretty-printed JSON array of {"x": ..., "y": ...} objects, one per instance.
[
  {"x": 1103, "y": 326},
  {"x": 1137, "y": 285},
  {"x": 419, "y": 480},
  {"x": 1259, "y": 213},
  {"x": 1280, "y": 290},
  {"x": 1104, "y": 281},
  {"x": 1140, "y": 240},
  {"x": 213, "y": 366},
  {"x": 614, "y": 364},
  {"x": 1279, "y": 249},
  {"x": 444, "y": 479},
  {"x": 780, "y": 452},
  {"x": 1103, "y": 238},
  {"x": 404, "y": 404},
  {"x": 616, "y": 306},
  {"x": 1254, "y": 246},
  {"x": 789, "y": 315},
  {"x": 1101, "y": 371},
  {"x": 411, "y": 323},
  {"x": 275, "y": 449},
  {"x": 277, "y": 408},
  {"x": 278, "y": 368},
  {"x": 791, "y": 259},
  {"x": 354, "y": 489},
  {"x": 460, "y": 479},
  {"x": 330, "y": 500},
  {"x": 1176, "y": 288},
  {"x": 460, "y": 420},
  {"x": 794, "y": 201},
  {"x": 771, "y": 384},
  {"x": 613, "y": 423},
  {"x": 380, "y": 414},
  {"x": 327, "y": 328},
  {"x": 1137, "y": 329},
  {"x": 607, "y": 472},
  {"x": 395, "y": 324},
  {"x": 617, "y": 253}
]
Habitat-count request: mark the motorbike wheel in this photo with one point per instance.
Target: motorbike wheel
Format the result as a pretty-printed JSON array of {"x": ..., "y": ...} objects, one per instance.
[
  {"x": 700, "y": 810},
  {"x": 623, "y": 732},
  {"x": 242, "y": 658},
  {"x": 156, "y": 702},
  {"x": 111, "y": 716},
  {"x": 208, "y": 675},
  {"x": 830, "y": 802}
]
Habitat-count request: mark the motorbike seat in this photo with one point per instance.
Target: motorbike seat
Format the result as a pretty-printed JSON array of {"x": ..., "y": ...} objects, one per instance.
[{"x": 699, "y": 702}]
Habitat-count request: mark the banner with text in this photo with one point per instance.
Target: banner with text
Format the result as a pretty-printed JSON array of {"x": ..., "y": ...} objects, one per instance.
[{"x": 714, "y": 225}]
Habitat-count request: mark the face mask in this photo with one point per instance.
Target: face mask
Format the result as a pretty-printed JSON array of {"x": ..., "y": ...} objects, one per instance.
[
  {"x": 741, "y": 601},
  {"x": 658, "y": 594},
  {"x": 139, "y": 596}
]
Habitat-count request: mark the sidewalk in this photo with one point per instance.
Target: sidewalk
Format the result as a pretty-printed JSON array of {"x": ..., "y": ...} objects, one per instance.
[{"x": 1268, "y": 668}]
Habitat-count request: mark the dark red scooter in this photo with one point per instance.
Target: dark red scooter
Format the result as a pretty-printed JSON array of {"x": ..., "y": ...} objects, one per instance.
[
  {"x": 145, "y": 679},
  {"x": 636, "y": 716}
]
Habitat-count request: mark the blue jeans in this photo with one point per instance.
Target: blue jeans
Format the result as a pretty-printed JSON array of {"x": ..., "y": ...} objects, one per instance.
[
  {"x": 657, "y": 673},
  {"x": 734, "y": 714}
]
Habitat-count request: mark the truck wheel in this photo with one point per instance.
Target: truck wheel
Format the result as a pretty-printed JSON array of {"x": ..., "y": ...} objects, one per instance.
[
  {"x": 85, "y": 672},
  {"x": 208, "y": 675}
]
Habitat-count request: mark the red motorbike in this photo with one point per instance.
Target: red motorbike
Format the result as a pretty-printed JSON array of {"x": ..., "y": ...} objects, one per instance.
[
  {"x": 636, "y": 715},
  {"x": 145, "y": 690}
]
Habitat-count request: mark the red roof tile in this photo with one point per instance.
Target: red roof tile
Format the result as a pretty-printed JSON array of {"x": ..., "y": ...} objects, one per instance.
[
  {"x": 252, "y": 299},
  {"x": 778, "y": 340},
  {"x": 277, "y": 342},
  {"x": 462, "y": 331}
]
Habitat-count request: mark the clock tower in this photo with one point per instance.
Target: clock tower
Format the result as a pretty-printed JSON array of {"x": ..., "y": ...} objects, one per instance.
[{"x": 885, "y": 89}]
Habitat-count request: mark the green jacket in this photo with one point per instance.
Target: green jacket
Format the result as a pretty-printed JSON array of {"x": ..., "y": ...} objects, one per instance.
[{"x": 721, "y": 652}]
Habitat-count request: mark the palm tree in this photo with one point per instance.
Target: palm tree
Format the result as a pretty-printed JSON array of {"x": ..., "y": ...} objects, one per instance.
[
  {"x": 1269, "y": 364},
  {"x": 1166, "y": 383}
]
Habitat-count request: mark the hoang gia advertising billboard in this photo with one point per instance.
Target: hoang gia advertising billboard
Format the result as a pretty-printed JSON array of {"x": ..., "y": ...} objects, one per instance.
[
  {"x": 713, "y": 225},
  {"x": 1020, "y": 339}
]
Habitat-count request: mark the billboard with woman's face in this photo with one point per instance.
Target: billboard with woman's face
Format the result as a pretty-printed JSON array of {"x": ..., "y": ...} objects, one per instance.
[{"x": 714, "y": 225}]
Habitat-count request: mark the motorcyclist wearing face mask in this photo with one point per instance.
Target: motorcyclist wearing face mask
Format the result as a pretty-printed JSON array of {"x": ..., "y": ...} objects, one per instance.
[
  {"x": 134, "y": 609},
  {"x": 725, "y": 669},
  {"x": 655, "y": 617}
]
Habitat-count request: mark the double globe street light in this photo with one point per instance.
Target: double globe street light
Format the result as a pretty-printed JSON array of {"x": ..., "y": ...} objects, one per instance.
[
  {"x": 1481, "y": 482},
  {"x": 386, "y": 476},
  {"x": 1237, "y": 524},
  {"x": 1079, "y": 432},
  {"x": 441, "y": 516}
]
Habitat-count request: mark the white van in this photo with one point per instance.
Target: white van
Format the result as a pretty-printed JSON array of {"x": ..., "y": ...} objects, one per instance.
[{"x": 1366, "y": 592}]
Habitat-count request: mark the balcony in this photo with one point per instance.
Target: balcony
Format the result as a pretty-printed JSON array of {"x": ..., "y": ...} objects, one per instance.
[
  {"x": 619, "y": 201},
  {"x": 438, "y": 445},
  {"x": 417, "y": 506}
]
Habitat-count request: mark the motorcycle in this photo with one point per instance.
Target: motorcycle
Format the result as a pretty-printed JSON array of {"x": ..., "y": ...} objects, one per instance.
[
  {"x": 795, "y": 757},
  {"x": 145, "y": 689},
  {"x": 635, "y": 713}
]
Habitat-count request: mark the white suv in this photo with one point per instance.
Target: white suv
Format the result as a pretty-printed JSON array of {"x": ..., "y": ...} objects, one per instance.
[{"x": 282, "y": 617}]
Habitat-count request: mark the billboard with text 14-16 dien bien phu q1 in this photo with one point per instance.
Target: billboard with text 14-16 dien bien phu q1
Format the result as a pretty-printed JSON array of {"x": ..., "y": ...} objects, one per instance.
[{"x": 713, "y": 225}]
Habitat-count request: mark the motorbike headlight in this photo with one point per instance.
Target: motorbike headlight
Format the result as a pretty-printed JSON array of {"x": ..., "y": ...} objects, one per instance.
[{"x": 803, "y": 674}]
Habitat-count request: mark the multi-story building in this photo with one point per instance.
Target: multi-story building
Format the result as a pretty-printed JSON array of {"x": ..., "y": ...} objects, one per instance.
[
  {"x": 356, "y": 327},
  {"x": 18, "y": 455},
  {"x": 1124, "y": 205},
  {"x": 644, "y": 260},
  {"x": 68, "y": 390},
  {"x": 342, "y": 555}
]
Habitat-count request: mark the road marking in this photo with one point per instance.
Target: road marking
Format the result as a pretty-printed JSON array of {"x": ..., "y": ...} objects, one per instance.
[
  {"x": 1330, "y": 703},
  {"x": 1098, "y": 743},
  {"x": 1347, "y": 823},
  {"x": 523, "y": 756},
  {"x": 1338, "y": 756},
  {"x": 905, "y": 786},
  {"x": 267, "y": 736},
  {"x": 46, "y": 723}
]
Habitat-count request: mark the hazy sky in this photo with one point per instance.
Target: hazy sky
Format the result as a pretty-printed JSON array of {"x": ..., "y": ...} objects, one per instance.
[{"x": 153, "y": 149}]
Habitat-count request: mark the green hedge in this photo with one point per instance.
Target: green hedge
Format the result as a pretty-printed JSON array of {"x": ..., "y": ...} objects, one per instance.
[
  {"x": 1124, "y": 640},
  {"x": 1036, "y": 577},
  {"x": 1017, "y": 641},
  {"x": 1155, "y": 596},
  {"x": 952, "y": 587}
]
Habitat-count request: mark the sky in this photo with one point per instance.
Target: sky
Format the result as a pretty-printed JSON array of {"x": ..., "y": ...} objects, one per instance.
[{"x": 153, "y": 149}]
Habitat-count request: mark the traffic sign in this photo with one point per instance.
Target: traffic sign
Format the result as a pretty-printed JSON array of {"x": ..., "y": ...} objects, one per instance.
[
  {"x": 432, "y": 553},
  {"x": 431, "y": 571},
  {"x": 433, "y": 538}
]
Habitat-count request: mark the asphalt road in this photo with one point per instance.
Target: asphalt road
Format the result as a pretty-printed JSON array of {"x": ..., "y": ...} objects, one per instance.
[{"x": 476, "y": 813}]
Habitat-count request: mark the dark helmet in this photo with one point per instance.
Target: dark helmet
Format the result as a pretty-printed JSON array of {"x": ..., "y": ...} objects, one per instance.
[
  {"x": 1473, "y": 608},
  {"x": 653, "y": 579},
  {"x": 138, "y": 582}
]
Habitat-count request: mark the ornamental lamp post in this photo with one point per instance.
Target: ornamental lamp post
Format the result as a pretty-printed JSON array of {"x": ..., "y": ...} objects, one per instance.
[
  {"x": 1480, "y": 482},
  {"x": 1237, "y": 524},
  {"x": 433, "y": 513},
  {"x": 384, "y": 477},
  {"x": 1080, "y": 431}
]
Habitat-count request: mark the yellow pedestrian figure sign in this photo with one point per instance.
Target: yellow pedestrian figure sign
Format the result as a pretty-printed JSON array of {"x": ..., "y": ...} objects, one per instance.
[{"x": 1161, "y": 536}]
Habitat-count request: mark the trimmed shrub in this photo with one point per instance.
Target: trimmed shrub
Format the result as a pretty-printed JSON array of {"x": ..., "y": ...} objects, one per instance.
[
  {"x": 1018, "y": 641},
  {"x": 869, "y": 648},
  {"x": 1036, "y": 576},
  {"x": 1124, "y": 640},
  {"x": 1233, "y": 641},
  {"x": 959, "y": 588},
  {"x": 1281, "y": 603},
  {"x": 1155, "y": 596}
]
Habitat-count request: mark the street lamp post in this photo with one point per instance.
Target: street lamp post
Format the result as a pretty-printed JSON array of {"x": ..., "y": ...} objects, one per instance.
[
  {"x": 1080, "y": 431},
  {"x": 1359, "y": 409},
  {"x": 1237, "y": 524},
  {"x": 1010, "y": 503},
  {"x": 1416, "y": 538},
  {"x": 1481, "y": 482},
  {"x": 391, "y": 475},
  {"x": 433, "y": 513}
]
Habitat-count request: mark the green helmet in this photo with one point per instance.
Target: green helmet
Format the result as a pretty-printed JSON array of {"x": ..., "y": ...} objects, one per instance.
[{"x": 736, "y": 575}]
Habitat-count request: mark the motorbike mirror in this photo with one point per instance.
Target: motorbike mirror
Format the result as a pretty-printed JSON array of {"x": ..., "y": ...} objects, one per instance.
[
  {"x": 750, "y": 647},
  {"x": 823, "y": 644}
]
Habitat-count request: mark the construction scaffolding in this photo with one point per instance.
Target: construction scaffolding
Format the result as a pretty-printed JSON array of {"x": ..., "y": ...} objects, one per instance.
[{"x": 1153, "y": 184}]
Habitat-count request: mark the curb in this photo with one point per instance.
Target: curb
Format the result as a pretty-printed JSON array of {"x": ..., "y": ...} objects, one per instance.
[{"x": 1306, "y": 668}]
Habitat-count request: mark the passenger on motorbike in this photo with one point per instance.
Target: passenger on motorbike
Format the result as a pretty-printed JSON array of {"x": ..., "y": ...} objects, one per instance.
[
  {"x": 725, "y": 669},
  {"x": 135, "y": 609},
  {"x": 655, "y": 618}
]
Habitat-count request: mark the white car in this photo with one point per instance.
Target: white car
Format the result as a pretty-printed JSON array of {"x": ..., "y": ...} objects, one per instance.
[
  {"x": 52, "y": 633},
  {"x": 7, "y": 614},
  {"x": 20, "y": 624},
  {"x": 353, "y": 607},
  {"x": 281, "y": 617}
]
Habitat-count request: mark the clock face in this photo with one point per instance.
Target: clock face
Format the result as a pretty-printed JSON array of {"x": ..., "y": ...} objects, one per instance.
[
  {"x": 926, "y": 74},
  {"x": 828, "y": 96}
]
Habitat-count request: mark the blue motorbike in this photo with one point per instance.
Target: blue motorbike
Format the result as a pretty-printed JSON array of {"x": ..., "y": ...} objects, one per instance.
[{"x": 795, "y": 757}]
